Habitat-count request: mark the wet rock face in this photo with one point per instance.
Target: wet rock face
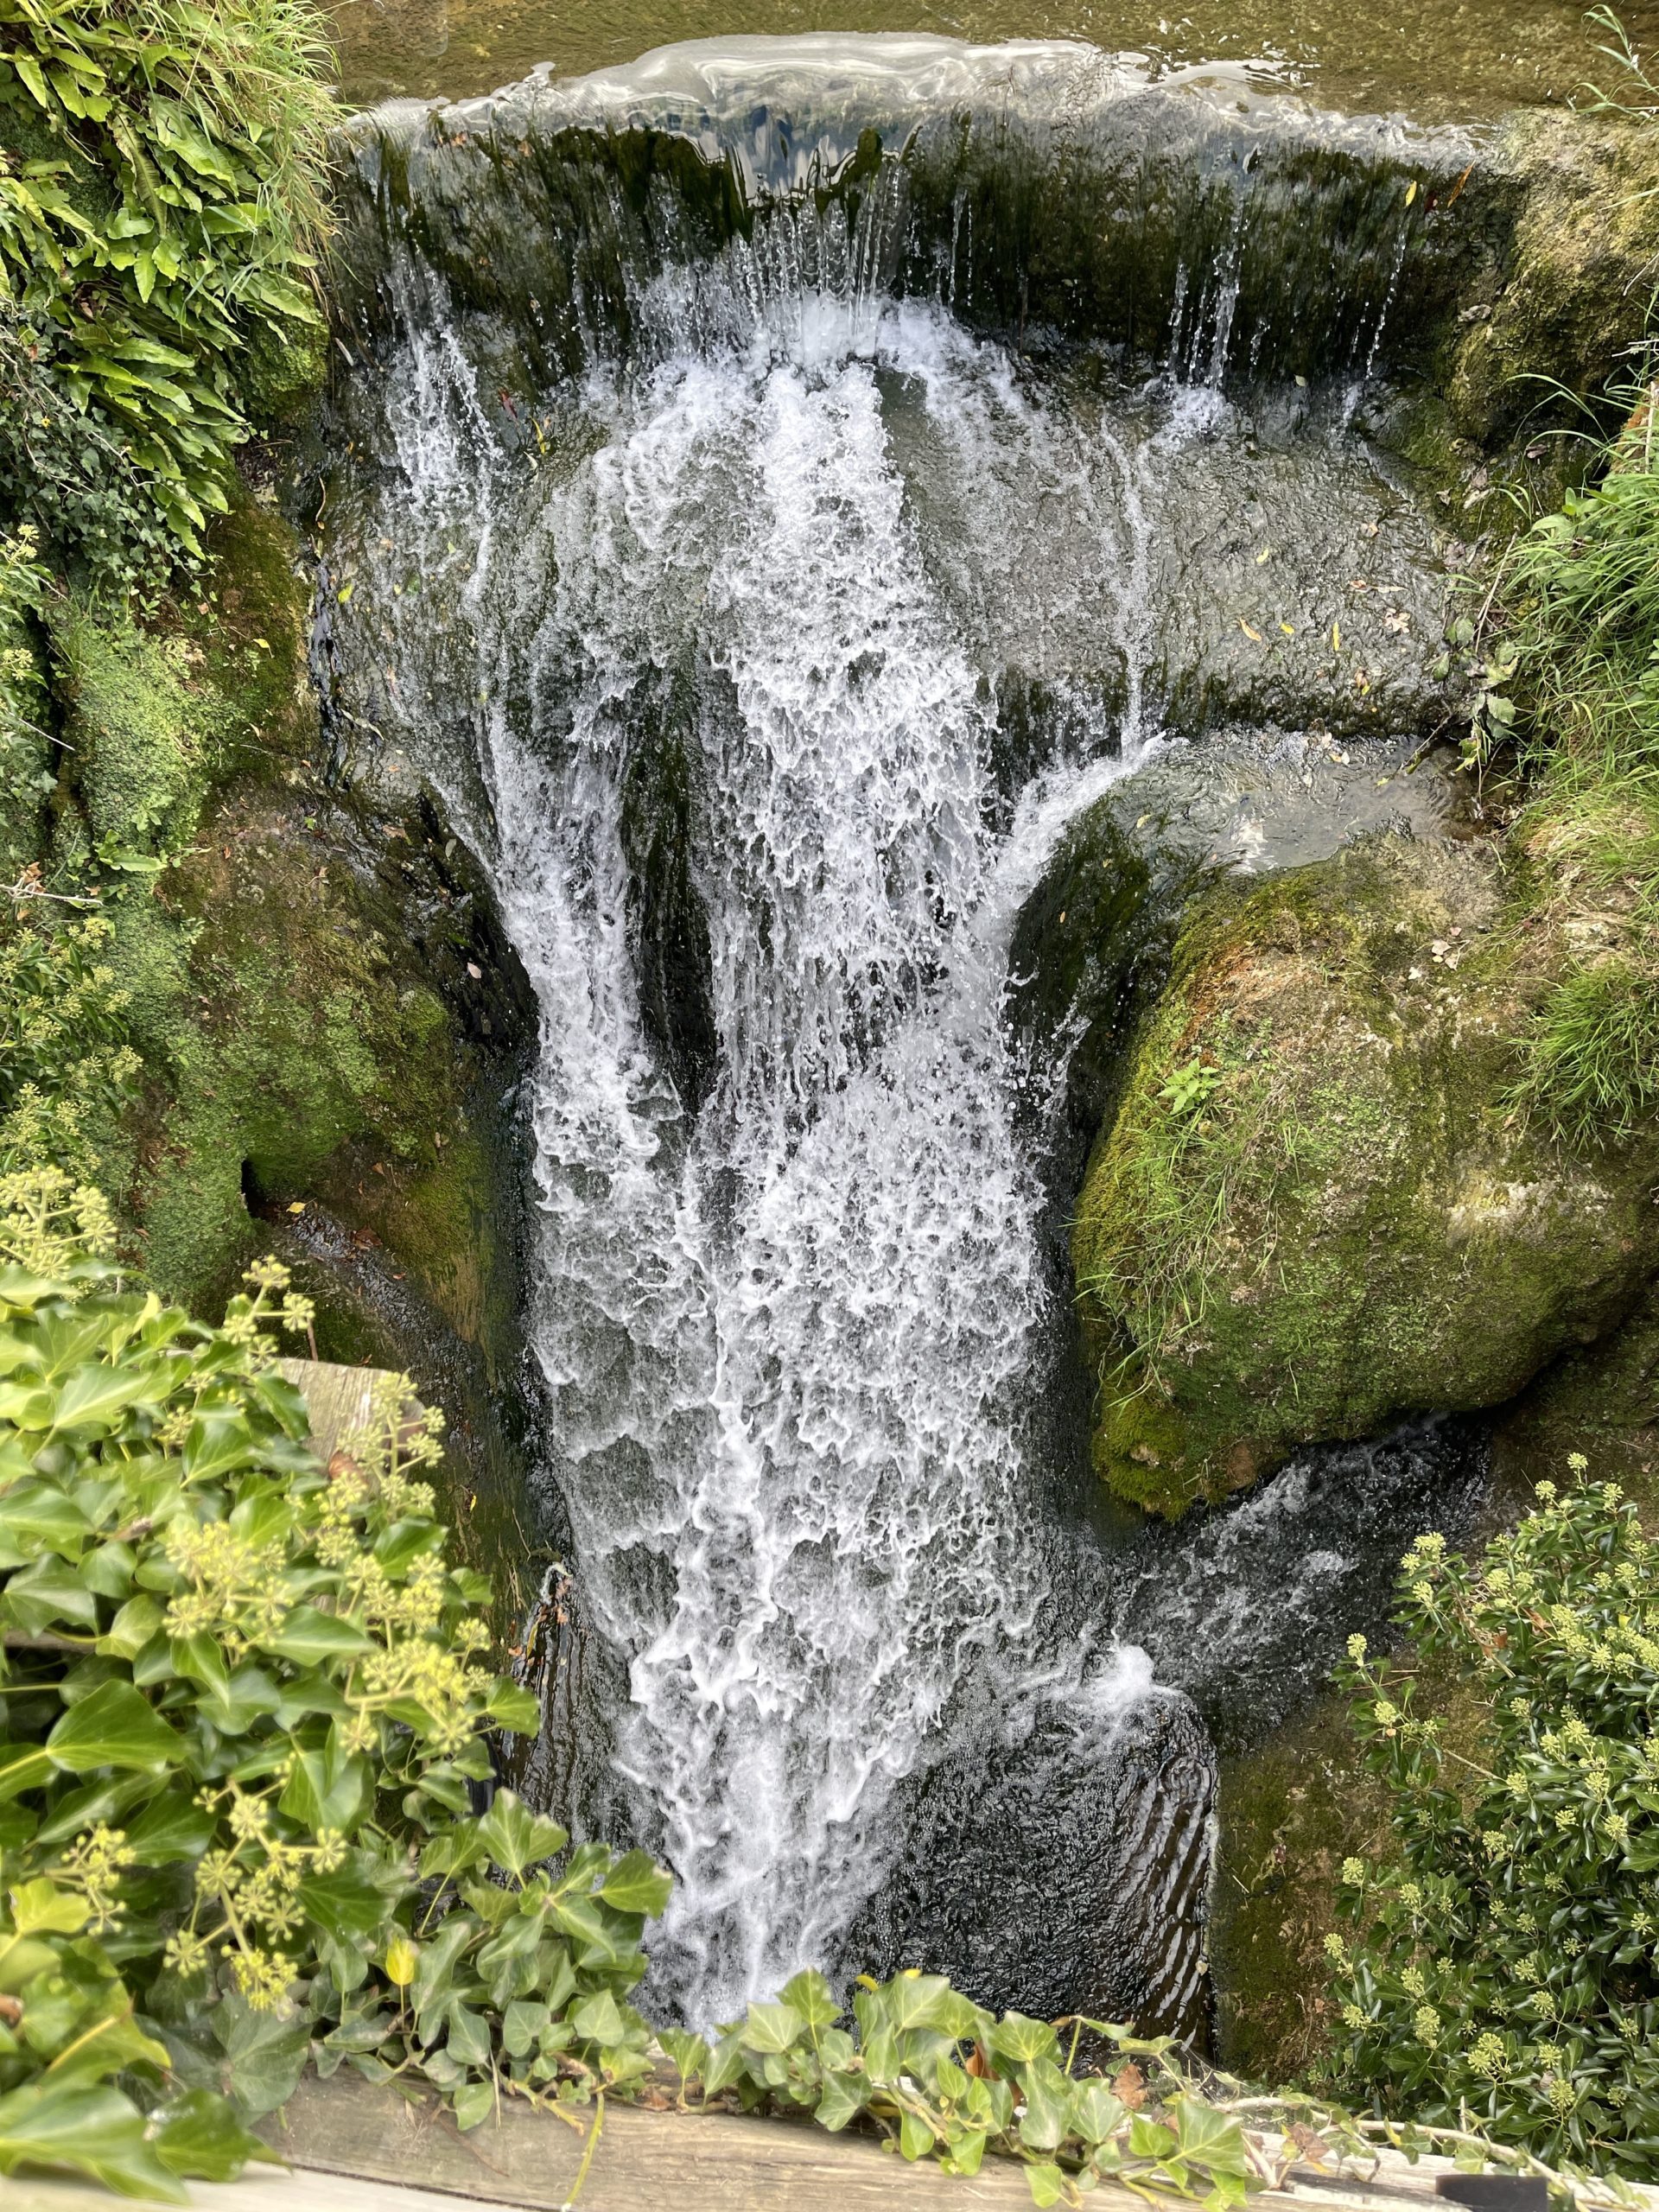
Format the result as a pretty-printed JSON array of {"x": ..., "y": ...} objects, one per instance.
[
  {"x": 1040, "y": 186},
  {"x": 1315, "y": 1211},
  {"x": 330, "y": 1024}
]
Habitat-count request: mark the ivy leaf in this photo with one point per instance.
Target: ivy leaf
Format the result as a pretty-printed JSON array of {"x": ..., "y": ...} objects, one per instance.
[
  {"x": 328, "y": 1788},
  {"x": 49, "y": 1591},
  {"x": 514, "y": 1708},
  {"x": 1048, "y": 2105},
  {"x": 469, "y": 2036},
  {"x": 453, "y": 1850},
  {"x": 1016, "y": 2040},
  {"x": 345, "y": 1904},
  {"x": 308, "y": 1637},
  {"x": 109, "y": 2043},
  {"x": 522, "y": 2024},
  {"x": 517, "y": 1838},
  {"x": 1097, "y": 2115},
  {"x": 115, "y": 1726},
  {"x": 39, "y": 1907},
  {"x": 22, "y": 1766},
  {"x": 916, "y": 2138},
  {"x": 97, "y": 2132},
  {"x": 1213, "y": 2139},
  {"x": 199, "y": 2135},
  {"x": 636, "y": 1883},
  {"x": 772, "y": 2027},
  {"x": 842, "y": 2097},
  {"x": 92, "y": 1396},
  {"x": 599, "y": 2019},
  {"x": 1047, "y": 2184},
  {"x": 474, "y": 2104},
  {"x": 967, "y": 2153},
  {"x": 265, "y": 2055},
  {"x": 726, "y": 2064},
  {"x": 688, "y": 2052},
  {"x": 812, "y": 1997},
  {"x": 170, "y": 1828}
]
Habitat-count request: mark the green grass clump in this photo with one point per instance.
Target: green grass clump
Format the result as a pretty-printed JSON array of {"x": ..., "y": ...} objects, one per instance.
[
  {"x": 1579, "y": 602},
  {"x": 1594, "y": 1055}
]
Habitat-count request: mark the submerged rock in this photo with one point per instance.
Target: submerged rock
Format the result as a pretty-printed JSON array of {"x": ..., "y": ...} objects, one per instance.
[{"x": 1316, "y": 1211}]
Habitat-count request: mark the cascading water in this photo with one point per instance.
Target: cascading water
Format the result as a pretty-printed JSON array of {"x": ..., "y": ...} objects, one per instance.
[{"x": 710, "y": 646}]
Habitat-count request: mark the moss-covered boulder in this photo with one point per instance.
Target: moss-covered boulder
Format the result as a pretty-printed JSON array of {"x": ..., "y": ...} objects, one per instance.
[
  {"x": 1316, "y": 1210},
  {"x": 1565, "y": 303}
]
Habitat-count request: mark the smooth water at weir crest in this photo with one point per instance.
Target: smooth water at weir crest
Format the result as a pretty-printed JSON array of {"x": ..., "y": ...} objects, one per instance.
[{"x": 765, "y": 663}]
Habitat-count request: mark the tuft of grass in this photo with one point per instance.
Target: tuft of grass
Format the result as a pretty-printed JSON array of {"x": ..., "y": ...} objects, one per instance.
[
  {"x": 1592, "y": 1061},
  {"x": 1580, "y": 605}
]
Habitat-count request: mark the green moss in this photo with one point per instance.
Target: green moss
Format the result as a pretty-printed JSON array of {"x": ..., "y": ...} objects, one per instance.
[
  {"x": 250, "y": 619},
  {"x": 1574, "y": 293},
  {"x": 279, "y": 379},
  {"x": 136, "y": 730},
  {"x": 1351, "y": 1225},
  {"x": 295, "y": 1048},
  {"x": 1288, "y": 1815},
  {"x": 281, "y": 1027},
  {"x": 1602, "y": 1400}
]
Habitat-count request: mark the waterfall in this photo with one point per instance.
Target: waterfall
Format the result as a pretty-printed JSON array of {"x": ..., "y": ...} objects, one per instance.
[
  {"x": 789, "y": 1338},
  {"x": 708, "y": 631}
]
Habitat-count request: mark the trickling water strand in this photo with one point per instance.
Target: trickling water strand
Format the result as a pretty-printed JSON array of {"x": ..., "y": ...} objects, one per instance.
[{"x": 1356, "y": 389}]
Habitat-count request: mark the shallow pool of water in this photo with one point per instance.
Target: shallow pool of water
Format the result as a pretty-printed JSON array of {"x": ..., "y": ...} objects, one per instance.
[{"x": 1435, "y": 60}]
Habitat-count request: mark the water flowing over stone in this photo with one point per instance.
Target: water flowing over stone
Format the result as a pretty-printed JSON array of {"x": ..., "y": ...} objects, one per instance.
[{"x": 764, "y": 651}]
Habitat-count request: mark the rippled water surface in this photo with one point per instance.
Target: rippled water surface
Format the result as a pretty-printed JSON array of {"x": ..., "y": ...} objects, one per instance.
[{"x": 1435, "y": 60}]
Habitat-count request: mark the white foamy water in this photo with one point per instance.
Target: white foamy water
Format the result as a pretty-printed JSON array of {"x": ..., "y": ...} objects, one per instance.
[{"x": 788, "y": 1340}]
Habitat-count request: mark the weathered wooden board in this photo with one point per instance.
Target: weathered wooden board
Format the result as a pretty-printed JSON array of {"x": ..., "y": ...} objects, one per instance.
[
  {"x": 337, "y": 1398},
  {"x": 643, "y": 2162},
  {"x": 354, "y": 2149},
  {"x": 266, "y": 2188}
]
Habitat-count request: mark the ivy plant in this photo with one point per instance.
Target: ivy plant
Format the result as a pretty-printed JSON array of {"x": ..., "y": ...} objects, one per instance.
[
  {"x": 946, "y": 2078},
  {"x": 1500, "y": 1973},
  {"x": 246, "y": 1713}
]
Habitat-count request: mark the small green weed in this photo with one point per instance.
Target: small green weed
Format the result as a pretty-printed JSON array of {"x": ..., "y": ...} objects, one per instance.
[{"x": 1189, "y": 1087}]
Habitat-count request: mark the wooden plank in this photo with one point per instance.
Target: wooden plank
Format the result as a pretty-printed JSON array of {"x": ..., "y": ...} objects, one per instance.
[
  {"x": 261, "y": 2188},
  {"x": 644, "y": 2161},
  {"x": 337, "y": 1398}
]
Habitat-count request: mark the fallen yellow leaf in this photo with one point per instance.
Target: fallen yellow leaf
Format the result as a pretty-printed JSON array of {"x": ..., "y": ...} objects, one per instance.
[
  {"x": 1255, "y": 634},
  {"x": 1336, "y": 637}
]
